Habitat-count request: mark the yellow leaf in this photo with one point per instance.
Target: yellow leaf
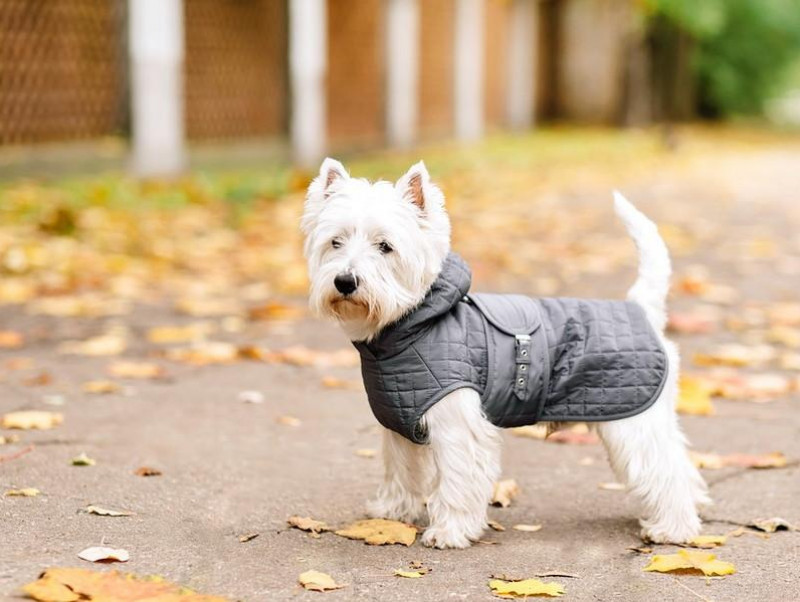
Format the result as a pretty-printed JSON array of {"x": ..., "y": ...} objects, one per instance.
[
  {"x": 707, "y": 541},
  {"x": 205, "y": 352},
  {"x": 694, "y": 397},
  {"x": 525, "y": 588},
  {"x": 105, "y": 344},
  {"x": 32, "y": 419},
  {"x": 504, "y": 492},
  {"x": 127, "y": 369},
  {"x": 318, "y": 582},
  {"x": 101, "y": 387},
  {"x": 380, "y": 531},
  {"x": 736, "y": 355},
  {"x": 27, "y": 492},
  {"x": 715, "y": 461},
  {"x": 331, "y": 382},
  {"x": 366, "y": 453},
  {"x": 532, "y": 431},
  {"x": 690, "y": 560},
  {"x": 83, "y": 460},
  {"x": 288, "y": 421},
  {"x": 71, "y": 585},
  {"x": 305, "y": 523},
  {"x": 179, "y": 334},
  {"x": 205, "y": 308},
  {"x": 409, "y": 574}
]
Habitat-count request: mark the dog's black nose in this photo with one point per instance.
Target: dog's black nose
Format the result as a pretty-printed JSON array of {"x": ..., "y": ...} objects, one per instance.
[{"x": 345, "y": 283}]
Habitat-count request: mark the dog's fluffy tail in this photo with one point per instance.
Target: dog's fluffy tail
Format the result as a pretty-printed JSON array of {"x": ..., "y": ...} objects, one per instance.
[{"x": 651, "y": 287}]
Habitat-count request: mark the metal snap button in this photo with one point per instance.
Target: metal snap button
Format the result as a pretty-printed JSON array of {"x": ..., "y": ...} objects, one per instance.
[
  {"x": 524, "y": 353},
  {"x": 521, "y": 381},
  {"x": 523, "y": 368}
]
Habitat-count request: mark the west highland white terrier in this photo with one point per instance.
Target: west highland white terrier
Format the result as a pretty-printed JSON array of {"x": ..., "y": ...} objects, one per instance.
[{"x": 445, "y": 369}]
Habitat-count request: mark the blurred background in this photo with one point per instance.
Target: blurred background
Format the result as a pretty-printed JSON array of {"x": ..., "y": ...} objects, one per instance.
[{"x": 154, "y": 157}]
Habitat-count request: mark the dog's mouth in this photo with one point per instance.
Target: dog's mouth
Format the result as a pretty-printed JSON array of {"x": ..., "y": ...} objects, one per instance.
[{"x": 349, "y": 307}]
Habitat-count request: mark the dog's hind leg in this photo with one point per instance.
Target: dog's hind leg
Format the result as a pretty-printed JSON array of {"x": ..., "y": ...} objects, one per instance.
[
  {"x": 648, "y": 452},
  {"x": 407, "y": 480},
  {"x": 466, "y": 453}
]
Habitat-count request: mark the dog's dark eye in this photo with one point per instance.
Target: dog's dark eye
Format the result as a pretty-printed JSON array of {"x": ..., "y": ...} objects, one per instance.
[
  {"x": 336, "y": 243},
  {"x": 385, "y": 247}
]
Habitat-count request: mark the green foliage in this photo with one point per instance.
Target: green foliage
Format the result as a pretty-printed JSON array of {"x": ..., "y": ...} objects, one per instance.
[{"x": 744, "y": 48}]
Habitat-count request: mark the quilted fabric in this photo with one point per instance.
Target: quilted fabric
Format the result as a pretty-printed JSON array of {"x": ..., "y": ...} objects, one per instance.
[{"x": 529, "y": 359}]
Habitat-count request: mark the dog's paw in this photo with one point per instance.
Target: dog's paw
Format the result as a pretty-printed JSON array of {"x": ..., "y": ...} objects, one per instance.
[
  {"x": 442, "y": 538},
  {"x": 671, "y": 533},
  {"x": 408, "y": 511}
]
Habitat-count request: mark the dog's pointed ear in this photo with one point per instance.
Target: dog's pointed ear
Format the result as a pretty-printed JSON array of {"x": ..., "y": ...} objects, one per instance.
[
  {"x": 413, "y": 185},
  {"x": 330, "y": 172}
]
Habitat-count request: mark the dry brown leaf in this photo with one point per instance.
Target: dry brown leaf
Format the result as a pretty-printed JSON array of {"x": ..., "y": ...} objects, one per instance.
[
  {"x": 147, "y": 471},
  {"x": 318, "y": 582},
  {"x": 305, "y": 523},
  {"x": 104, "y": 554},
  {"x": 10, "y": 339},
  {"x": 31, "y": 419},
  {"x": 72, "y": 585},
  {"x": 493, "y": 524},
  {"x": 247, "y": 537},
  {"x": 25, "y": 492},
  {"x": 139, "y": 370},
  {"x": 504, "y": 492},
  {"x": 380, "y": 531},
  {"x": 101, "y": 387}
]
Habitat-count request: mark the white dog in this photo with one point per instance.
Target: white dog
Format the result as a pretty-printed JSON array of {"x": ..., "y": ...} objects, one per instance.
[{"x": 375, "y": 252}]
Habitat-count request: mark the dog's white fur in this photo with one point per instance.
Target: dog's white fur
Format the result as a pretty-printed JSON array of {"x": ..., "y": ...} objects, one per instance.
[{"x": 348, "y": 224}]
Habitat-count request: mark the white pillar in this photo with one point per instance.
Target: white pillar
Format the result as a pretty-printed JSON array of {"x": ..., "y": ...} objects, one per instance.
[
  {"x": 469, "y": 65},
  {"x": 402, "y": 71},
  {"x": 307, "y": 67},
  {"x": 522, "y": 41},
  {"x": 156, "y": 57}
]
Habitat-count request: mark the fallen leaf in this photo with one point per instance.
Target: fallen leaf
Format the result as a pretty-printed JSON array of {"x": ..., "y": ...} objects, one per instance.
[
  {"x": 736, "y": 355},
  {"x": 690, "y": 561},
  {"x": 248, "y": 537},
  {"x": 99, "y": 511},
  {"x": 409, "y": 574},
  {"x": 41, "y": 379},
  {"x": 204, "y": 353},
  {"x": 146, "y": 471},
  {"x": 72, "y": 585},
  {"x": 784, "y": 335},
  {"x": 700, "y": 321},
  {"x": 8, "y": 439},
  {"x": 139, "y": 370},
  {"x": 770, "y": 525},
  {"x": 101, "y": 387},
  {"x": 750, "y": 387},
  {"x": 707, "y": 541},
  {"x": 331, "y": 382},
  {"x": 179, "y": 334},
  {"x": 83, "y": 460},
  {"x": 305, "y": 523},
  {"x": 640, "y": 549},
  {"x": 527, "y": 528},
  {"x": 715, "y": 461},
  {"x": 10, "y": 339},
  {"x": 303, "y": 356},
  {"x": 274, "y": 310},
  {"x": 104, "y": 554},
  {"x": 105, "y": 344},
  {"x": 288, "y": 421},
  {"x": 366, "y": 453},
  {"x": 525, "y": 588},
  {"x": 84, "y": 306},
  {"x": 201, "y": 307},
  {"x": 32, "y": 419},
  {"x": 532, "y": 431},
  {"x": 504, "y": 492},
  {"x": 26, "y": 492},
  {"x": 694, "y": 397},
  {"x": 493, "y": 524},
  {"x": 576, "y": 434},
  {"x": 318, "y": 582},
  {"x": 380, "y": 531},
  {"x": 251, "y": 397},
  {"x": 612, "y": 486},
  {"x": 784, "y": 314},
  {"x": 790, "y": 361}
]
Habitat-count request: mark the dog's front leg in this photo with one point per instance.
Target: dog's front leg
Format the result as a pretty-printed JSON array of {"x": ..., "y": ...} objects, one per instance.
[
  {"x": 407, "y": 480},
  {"x": 466, "y": 454}
]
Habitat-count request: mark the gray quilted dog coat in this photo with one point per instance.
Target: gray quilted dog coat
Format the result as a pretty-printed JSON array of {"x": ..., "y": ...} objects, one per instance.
[{"x": 531, "y": 360}]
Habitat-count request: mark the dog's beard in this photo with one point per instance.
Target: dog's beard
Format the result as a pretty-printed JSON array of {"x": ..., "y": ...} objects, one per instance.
[{"x": 347, "y": 308}]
